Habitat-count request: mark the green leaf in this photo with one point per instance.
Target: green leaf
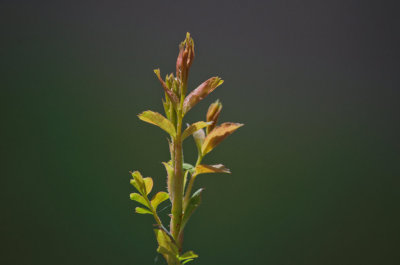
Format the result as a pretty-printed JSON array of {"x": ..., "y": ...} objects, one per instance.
[
  {"x": 148, "y": 183},
  {"x": 139, "y": 198},
  {"x": 136, "y": 185},
  {"x": 142, "y": 210},
  {"x": 218, "y": 134},
  {"x": 137, "y": 181},
  {"x": 165, "y": 241},
  {"x": 137, "y": 176},
  {"x": 158, "y": 120},
  {"x": 187, "y": 166},
  {"x": 188, "y": 255},
  {"x": 202, "y": 169},
  {"x": 194, "y": 127},
  {"x": 185, "y": 178},
  {"x": 199, "y": 137},
  {"x": 159, "y": 198},
  {"x": 166, "y": 108},
  {"x": 170, "y": 173},
  {"x": 201, "y": 92},
  {"x": 186, "y": 261},
  {"x": 193, "y": 203},
  {"x": 165, "y": 252}
]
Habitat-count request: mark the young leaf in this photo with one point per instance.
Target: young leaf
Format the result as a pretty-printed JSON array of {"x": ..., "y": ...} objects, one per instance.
[
  {"x": 185, "y": 178},
  {"x": 142, "y": 210},
  {"x": 166, "y": 108},
  {"x": 202, "y": 169},
  {"x": 174, "y": 99},
  {"x": 218, "y": 134},
  {"x": 193, "y": 203},
  {"x": 148, "y": 183},
  {"x": 194, "y": 127},
  {"x": 199, "y": 137},
  {"x": 166, "y": 243},
  {"x": 213, "y": 114},
  {"x": 137, "y": 176},
  {"x": 135, "y": 184},
  {"x": 188, "y": 255},
  {"x": 170, "y": 173},
  {"x": 186, "y": 261},
  {"x": 137, "y": 197},
  {"x": 187, "y": 166},
  {"x": 201, "y": 92},
  {"x": 158, "y": 120},
  {"x": 165, "y": 252},
  {"x": 159, "y": 198},
  {"x": 137, "y": 181}
]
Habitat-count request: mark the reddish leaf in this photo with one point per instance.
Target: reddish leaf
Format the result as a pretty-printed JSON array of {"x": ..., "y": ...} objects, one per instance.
[
  {"x": 217, "y": 135},
  {"x": 213, "y": 114},
  {"x": 201, "y": 92},
  {"x": 193, "y": 128},
  {"x": 174, "y": 99},
  {"x": 202, "y": 169}
]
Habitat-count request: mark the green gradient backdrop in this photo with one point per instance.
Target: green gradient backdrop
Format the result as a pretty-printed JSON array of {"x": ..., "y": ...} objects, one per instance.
[{"x": 315, "y": 169}]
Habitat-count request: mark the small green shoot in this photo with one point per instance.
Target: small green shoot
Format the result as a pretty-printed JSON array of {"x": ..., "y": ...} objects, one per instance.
[{"x": 180, "y": 175}]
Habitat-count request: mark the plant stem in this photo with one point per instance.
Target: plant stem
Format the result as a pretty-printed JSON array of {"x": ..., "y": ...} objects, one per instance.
[
  {"x": 177, "y": 184},
  {"x": 191, "y": 182}
]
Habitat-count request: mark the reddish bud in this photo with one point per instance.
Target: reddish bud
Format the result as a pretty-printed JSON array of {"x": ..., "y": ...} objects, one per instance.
[{"x": 185, "y": 58}]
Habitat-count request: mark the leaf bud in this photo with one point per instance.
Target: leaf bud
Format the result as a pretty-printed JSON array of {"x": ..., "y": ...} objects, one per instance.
[{"x": 185, "y": 59}]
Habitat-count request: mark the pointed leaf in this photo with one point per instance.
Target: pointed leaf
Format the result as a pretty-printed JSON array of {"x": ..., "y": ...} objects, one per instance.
[
  {"x": 174, "y": 99},
  {"x": 166, "y": 108},
  {"x": 135, "y": 184},
  {"x": 218, "y": 134},
  {"x": 188, "y": 255},
  {"x": 199, "y": 137},
  {"x": 165, "y": 252},
  {"x": 137, "y": 181},
  {"x": 193, "y": 203},
  {"x": 202, "y": 169},
  {"x": 158, "y": 120},
  {"x": 148, "y": 183},
  {"x": 137, "y": 176},
  {"x": 139, "y": 198},
  {"x": 186, "y": 261},
  {"x": 159, "y": 198},
  {"x": 194, "y": 127},
  {"x": 201, "y": 92},
  {"x": 187, "y": 166},
  {"x": 165, "y": 241},
  {"x": 213, "y": 114},
  {"x": 142, "y": 210},
  {"x": 170, "y": 173},
  {"x": 185, "y": 178}
]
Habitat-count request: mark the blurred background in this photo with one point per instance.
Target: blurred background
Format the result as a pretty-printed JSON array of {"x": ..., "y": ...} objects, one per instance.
[{"x": 315, "y": 168}]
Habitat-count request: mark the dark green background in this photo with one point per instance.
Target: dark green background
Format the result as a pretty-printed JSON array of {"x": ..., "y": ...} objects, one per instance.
[{"x": 315, "y": 168}]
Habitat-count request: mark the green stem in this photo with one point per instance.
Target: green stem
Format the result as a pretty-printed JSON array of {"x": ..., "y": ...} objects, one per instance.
[
  {"x": 153, "y": 211},
  {"x": 177, "y": 184},
  {"x": 191, "y": 183}
]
